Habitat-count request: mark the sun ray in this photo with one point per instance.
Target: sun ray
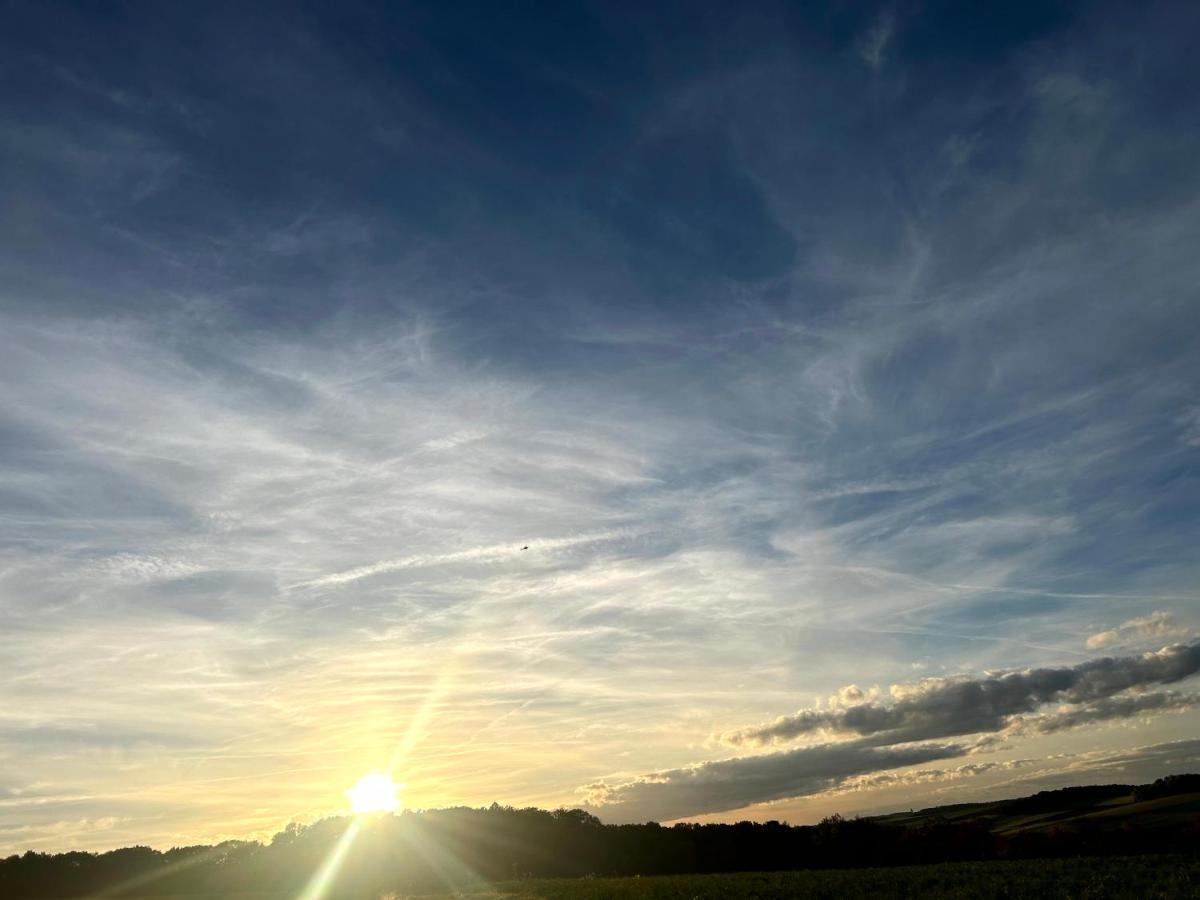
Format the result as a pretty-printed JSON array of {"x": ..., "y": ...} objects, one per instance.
[
  {"x": 141, "y": 881},
  {"x": 416, "y": 727},
  {"x": 323, "y": 878}
]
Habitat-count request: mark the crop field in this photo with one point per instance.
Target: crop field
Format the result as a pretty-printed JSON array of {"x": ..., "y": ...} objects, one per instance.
[
  {"x": 1143, "y": 878},
  {"x": 1113, "y": 878}
]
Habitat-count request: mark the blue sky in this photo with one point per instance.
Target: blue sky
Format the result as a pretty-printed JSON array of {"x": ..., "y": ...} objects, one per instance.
[{"x": 822, "y": 355}]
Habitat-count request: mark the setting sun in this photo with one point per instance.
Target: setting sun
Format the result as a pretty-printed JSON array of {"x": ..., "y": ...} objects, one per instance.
[{"x": 374, "y": 793}]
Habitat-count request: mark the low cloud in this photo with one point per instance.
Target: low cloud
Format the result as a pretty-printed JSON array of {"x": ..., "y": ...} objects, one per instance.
[
  {"x": 1109, "y": 709},
  {"x": 1135, "y": 766},
  {"x": 930, "y": 776},
  {"x": 902, "y": 732},
  {"x": 1158, "y": 624},
  {"x": 945, "y": 707},
  {"x": 728, "y": 784}
]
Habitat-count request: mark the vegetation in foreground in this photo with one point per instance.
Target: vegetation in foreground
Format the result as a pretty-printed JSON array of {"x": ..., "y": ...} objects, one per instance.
[{"x": 1114, "y": 878}]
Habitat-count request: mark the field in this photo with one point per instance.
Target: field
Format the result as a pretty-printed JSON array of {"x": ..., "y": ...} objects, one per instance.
[
  {"x": 1114, "y": 811},
  {"x": 1143, "y": 878},
  {"x": 1117, "y": 878}
]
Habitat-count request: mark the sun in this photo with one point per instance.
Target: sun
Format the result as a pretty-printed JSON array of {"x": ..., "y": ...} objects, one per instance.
[{"x": 374, "y": 793}]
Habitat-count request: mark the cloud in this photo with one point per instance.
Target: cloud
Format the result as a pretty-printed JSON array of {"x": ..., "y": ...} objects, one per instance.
[
  {"x": 1158, "y": 624},
  {"x": 866, "y": 763},
  {"x": 1110, "y": 708},
  {"x": 733, "y": 783},
  {"x": 1172, "y": 755},
  {"x": 475, "y": 554},
  {"x": 944, "y": 707},
  {"x": 874, "y": 43},
  {"x": 1189, "y": 425},
  {"x": 930, "y": 776},
  {"x": 1136, "y": 765}
]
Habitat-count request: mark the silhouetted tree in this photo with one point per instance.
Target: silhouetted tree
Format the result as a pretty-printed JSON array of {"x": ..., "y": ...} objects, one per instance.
[{"x": 448, "y": 848}]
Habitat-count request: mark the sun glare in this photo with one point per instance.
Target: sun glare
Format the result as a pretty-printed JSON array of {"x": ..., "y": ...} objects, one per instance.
[{"x": 374, "y": 793}]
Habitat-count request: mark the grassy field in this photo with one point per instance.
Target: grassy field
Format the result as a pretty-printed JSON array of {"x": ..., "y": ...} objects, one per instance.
[{"x": 1143, "y": 878}]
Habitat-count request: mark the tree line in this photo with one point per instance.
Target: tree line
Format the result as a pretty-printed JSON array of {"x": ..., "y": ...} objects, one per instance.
[{"x": 439, "y": 850}]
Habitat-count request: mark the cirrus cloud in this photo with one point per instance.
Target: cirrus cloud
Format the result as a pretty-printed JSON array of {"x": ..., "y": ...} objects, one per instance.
[{"x": 1158, "y": 624}]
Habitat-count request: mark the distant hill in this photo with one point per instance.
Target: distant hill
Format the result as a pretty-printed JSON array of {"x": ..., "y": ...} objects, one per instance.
[{"x": 1168, "y": 802}]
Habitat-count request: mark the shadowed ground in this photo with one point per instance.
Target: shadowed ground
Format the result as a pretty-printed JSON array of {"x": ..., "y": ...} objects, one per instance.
[{"x": 1144, "y": 878}]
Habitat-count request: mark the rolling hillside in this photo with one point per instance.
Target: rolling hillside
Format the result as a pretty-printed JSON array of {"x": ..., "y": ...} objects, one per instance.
[{"x": 1171, "y": 802}]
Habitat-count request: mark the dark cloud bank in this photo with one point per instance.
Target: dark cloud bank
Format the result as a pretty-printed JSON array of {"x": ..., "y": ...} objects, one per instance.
[
  {"x": 902, "y": 732},
  {"x": 947, "y": 707}
]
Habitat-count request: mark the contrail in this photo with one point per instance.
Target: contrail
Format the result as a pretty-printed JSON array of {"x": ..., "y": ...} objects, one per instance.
[{"x": 475, "y": 554}]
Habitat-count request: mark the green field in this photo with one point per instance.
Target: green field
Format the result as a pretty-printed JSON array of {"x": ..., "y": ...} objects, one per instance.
[{"x": 1143, "y": 878}]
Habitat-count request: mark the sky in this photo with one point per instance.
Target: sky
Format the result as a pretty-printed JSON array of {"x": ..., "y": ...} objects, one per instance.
[{"x": 680, "y": 411}]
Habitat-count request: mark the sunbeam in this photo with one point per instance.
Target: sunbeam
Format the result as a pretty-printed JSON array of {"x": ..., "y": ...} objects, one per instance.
[{"x": 326, "y": 874}]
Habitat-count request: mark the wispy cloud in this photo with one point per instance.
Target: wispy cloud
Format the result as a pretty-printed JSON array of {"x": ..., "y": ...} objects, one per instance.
[
  {"x": 1157, "y": 625},
  {"x": 475, "y": 554},
  {"x": 874, "y": 43},
  {"x": 920, "y": 777}
]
